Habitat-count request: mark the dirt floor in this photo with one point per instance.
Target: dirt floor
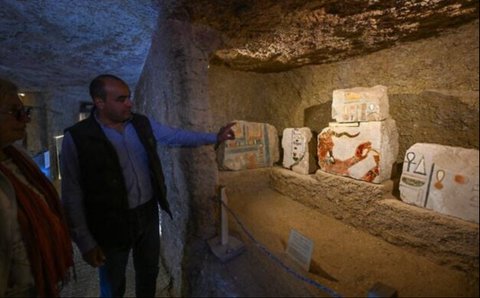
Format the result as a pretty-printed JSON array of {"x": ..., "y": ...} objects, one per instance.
[{"x": 345, "y": 260}]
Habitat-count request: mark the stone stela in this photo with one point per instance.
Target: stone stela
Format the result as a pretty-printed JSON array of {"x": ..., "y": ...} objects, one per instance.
[
  {"x": 297, "y": 152},
  {"x": 255, "y": 146},
  {"x": 442, "y": 178},
  {"x": 363, "y": 143},
  {"x": 360, "y": 104}
]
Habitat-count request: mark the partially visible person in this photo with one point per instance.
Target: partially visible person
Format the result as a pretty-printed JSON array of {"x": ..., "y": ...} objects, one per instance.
[
  {"x": 112, "y": 181},
  {"x": 35, "y": 247}
]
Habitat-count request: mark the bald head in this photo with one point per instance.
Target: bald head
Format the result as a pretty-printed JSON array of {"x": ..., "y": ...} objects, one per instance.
[{"x": 97, "y": 86}]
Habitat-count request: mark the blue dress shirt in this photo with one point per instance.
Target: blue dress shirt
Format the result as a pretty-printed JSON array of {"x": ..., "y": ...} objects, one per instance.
[{"x": 134, "y": 163}]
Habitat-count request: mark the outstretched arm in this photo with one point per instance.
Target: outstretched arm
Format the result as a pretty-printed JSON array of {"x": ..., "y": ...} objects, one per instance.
[{"x": 176, "y": 137}]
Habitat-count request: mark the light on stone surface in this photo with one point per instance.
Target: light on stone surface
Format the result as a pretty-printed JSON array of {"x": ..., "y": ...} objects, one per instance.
[
  {"x": 297, "y": 151},
  {"x": 442, "y": 178},
  {"x": 361, "y": 150},
  {"x": 363, "y": 143},
  {"x": 255, "y": 146},
  {"x": 360, "y": 104}
]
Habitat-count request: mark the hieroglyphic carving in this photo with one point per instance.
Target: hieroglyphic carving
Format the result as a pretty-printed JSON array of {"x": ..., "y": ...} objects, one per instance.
[
  {"x": 360, "y": 104},
  {"x": 297, "y": 154},
  {"x": 255, "y": 146},
  {"x": 442, "y": 178},
  {"x": 364, "y": 151}
]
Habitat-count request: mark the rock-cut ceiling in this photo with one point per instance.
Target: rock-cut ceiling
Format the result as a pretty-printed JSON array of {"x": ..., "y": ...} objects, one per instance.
[
  {"x": 49, "y": 44},
  {"x": 63, "y": 43},
  {"x": 272, "y": 35}
]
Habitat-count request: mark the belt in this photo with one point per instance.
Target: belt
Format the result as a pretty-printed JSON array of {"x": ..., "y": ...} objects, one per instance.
[{"x": 142, "y": 216}]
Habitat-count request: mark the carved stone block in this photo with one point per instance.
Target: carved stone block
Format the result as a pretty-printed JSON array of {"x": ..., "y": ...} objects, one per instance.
[
  {"x": 360, "y": 104},
  {"x": 255, "y": 146},
  {"x": 361, "y": 150},
  {"x": 298, "y": 154},
  {"x": 442, "y": 178}
]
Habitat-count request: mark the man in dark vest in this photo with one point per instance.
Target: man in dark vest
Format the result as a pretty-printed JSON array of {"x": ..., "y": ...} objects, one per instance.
[{"x": 112, "y": 180}]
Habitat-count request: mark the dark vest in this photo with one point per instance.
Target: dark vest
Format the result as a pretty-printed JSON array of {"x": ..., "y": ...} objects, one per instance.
[{"x": 104, "y": 191}]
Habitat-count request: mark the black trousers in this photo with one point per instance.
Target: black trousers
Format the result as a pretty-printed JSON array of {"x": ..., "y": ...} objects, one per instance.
[{"x": 145, "y": 248}]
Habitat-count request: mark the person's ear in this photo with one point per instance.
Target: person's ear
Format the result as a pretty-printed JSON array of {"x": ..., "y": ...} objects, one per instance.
[{"x": 98, "y": 102}]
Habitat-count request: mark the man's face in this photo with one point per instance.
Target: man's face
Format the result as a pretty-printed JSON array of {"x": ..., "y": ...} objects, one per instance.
[
  {"x": 12, "y": 124},
  {"x": 117, "y": 105}
]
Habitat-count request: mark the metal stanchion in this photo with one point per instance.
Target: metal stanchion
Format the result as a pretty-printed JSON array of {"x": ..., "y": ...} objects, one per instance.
[{"x": 225, "y": 247}]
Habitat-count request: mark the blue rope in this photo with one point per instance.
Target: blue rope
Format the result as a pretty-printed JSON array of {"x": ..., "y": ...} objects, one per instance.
[{"x": 325, "y": 289}]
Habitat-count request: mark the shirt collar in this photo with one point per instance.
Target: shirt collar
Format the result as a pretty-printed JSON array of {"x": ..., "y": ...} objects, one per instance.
[{"x": 95, "y": 116}]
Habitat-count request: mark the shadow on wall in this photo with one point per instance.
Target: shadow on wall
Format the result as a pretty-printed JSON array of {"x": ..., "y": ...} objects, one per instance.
[
  {"x": 317, "y": 117},
  {"x": 431, "y": 117}
]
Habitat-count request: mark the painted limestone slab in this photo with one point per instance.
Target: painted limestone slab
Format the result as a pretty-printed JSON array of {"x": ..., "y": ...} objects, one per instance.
[
  {"x": 361, "y": 150},
  {"x": 442, "y": 178},
  {"x": 298, "y": 154},
  {"x": 255, "y": 146},
  {"x": 360, "y": 104}
]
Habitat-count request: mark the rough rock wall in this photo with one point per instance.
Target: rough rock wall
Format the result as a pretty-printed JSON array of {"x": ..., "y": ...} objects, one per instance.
[
  {"x": 173, "y": 90},
  {"x": 254, "y": 97},
  {"x": 442, "y": 71},
  {"x": 52, "y": 112},
  {"x": 62, "y": 108},
  {"x": 36, "y": 137}
]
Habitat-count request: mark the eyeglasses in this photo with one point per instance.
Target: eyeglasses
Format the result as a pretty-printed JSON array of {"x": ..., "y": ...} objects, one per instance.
[{"x": 20, "y": 113}]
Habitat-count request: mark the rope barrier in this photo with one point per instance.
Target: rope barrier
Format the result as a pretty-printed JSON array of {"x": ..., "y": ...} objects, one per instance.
[{"x": 325, "y": 289}]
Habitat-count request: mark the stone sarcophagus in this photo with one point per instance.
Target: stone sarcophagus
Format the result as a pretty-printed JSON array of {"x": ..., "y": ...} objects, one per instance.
[
  {"x": 360, "y": 104},
  {"x": 298, "y": 150},
  {"x": 255, "y": 146},
  {"x": 363, "y": 150},
  {"x": 442, "y": 178}
]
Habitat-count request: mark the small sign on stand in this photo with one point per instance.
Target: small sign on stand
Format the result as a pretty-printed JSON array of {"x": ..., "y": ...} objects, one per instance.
[
  {"x": 225, "y": 247},
  {"x": 300, "y": 249},
  {"x": 382, "y": 290}
]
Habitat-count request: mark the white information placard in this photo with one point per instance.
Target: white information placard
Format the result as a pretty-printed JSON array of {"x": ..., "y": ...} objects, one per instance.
[{"x": 300, "y": 249}]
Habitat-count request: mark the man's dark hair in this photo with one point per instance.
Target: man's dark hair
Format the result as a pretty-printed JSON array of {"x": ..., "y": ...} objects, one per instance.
[{"x": 97, "y": 85}]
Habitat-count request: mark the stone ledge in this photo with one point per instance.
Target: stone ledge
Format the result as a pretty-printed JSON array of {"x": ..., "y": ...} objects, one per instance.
[
  {"x": 245, "y": 181},
  {"x": 371, "y": 207}
]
